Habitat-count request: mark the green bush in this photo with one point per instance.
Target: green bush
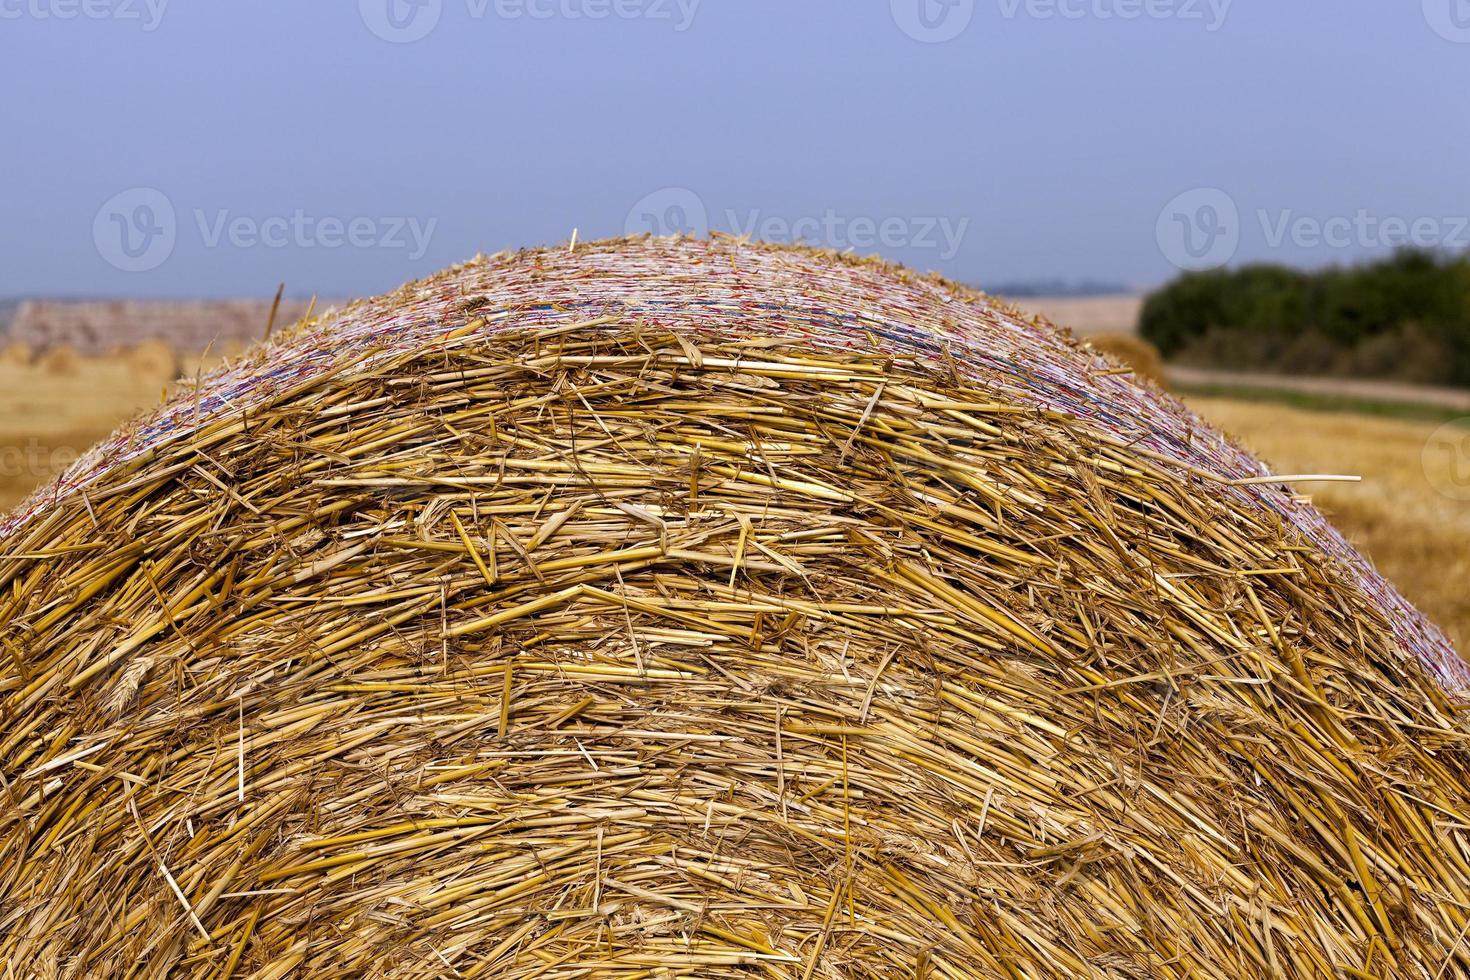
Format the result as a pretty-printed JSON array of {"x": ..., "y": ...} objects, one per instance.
[{"x": 1405, "y": 317}]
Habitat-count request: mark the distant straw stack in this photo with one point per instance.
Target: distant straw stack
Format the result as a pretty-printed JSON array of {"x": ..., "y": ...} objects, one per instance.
[
  {"x": 17, "y": 354},
  {"x": 154, "y": 359},
  {"x": 1133, "y": 352},
  {"x": 671, "y": 608},
  {"x": 61, "y": 361}
]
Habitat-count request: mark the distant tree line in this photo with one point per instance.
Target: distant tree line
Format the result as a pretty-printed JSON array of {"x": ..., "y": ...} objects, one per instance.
[{"x": 1406, "y": 318}]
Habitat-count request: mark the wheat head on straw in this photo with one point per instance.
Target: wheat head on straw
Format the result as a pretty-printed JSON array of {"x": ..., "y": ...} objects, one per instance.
[{"x": 671, "y": 608}]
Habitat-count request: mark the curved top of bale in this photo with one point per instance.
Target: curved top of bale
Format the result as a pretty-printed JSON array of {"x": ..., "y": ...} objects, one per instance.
[
  {"x": 822, "y": 298},
  {"x": 670, "y": 607}
]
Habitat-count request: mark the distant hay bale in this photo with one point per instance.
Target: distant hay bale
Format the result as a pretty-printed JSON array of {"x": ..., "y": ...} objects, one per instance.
[
  {"x": 678, "y": 608},
  {"x": 228, "y": 351},
  {"x": 188, "y": 325},
  {"x": 18, "y": 354},
  {"x": 1133, "y": 352},
  {"x": 61, "y": 361},
  {"x": 153, "y": 359}
]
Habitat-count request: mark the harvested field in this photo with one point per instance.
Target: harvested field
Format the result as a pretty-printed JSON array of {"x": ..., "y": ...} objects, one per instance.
[
  {"x": 17, "y": 354},
  {"x": 1416, "y": 535},
  {"x": 48, "y": 420},
  {"x": 691, "y": 608},
  {"x": 96, "y": 327},
  {"x": 1087, "y": 315},
  {"x": 1455, "y": 400}
]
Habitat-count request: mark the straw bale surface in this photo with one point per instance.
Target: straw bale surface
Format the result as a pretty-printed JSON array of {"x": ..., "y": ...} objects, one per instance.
[{"x": 680, "y": 608}]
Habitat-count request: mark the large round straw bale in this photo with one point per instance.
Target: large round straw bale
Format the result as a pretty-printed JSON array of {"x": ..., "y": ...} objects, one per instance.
[{"x": 681, "y": 608}]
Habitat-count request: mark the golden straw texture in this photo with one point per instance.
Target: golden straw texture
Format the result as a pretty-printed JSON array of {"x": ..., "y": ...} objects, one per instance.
[{"x": 615, "y": 650}]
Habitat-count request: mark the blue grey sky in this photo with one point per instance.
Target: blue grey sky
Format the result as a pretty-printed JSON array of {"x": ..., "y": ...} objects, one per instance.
[{"x": 320, "y": 144}]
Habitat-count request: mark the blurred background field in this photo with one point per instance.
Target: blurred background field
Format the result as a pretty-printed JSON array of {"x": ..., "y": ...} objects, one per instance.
[
  {"x": 1416, "y": 535},
  {"x": 56, "y": 400}
]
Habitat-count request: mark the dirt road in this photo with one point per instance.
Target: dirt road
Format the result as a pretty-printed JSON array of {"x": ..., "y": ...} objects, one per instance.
[{"x": 1455, "y": 399}]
